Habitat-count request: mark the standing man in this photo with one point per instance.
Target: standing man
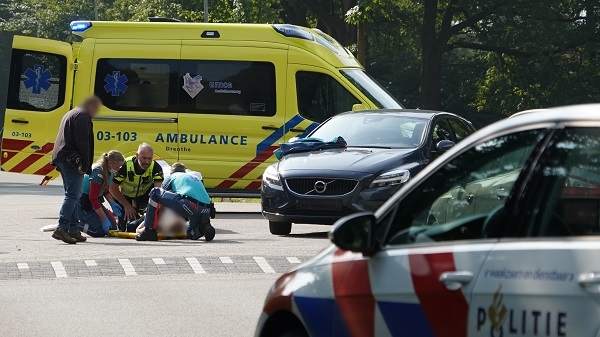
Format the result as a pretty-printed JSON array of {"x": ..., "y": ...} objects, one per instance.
[
  {"x": 184, "y": 193},
  {"x": 133, "y": 182},
  {"x": 73, "y": 154}
]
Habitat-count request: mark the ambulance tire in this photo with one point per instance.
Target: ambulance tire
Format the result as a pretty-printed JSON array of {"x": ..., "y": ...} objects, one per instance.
[
  {"x": 295, "y": 333},
  {"x": 280, "y": 228}
]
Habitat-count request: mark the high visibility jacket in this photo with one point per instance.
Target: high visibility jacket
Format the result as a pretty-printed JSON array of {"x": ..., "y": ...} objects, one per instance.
[{"x": 135, "y": 185}]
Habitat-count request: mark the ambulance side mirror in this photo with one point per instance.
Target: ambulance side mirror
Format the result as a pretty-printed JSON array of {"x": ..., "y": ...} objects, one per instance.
[
  {"x": 356, "y": 233},
  {"x": 358, "y": 107}
]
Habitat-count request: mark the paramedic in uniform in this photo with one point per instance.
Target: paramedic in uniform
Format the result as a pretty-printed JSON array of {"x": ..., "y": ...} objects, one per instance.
[
  {"x": 132, "y": 184},
  {"x": 184, "y": 193}
]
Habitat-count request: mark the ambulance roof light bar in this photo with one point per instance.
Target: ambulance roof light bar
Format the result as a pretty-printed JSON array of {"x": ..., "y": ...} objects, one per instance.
[
  {"x": 80, "y": 26},
  {"x": 293, "y": 31}
]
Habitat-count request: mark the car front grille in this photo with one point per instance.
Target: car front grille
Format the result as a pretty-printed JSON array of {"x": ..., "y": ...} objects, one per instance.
[{"x": 321, "y": 186}]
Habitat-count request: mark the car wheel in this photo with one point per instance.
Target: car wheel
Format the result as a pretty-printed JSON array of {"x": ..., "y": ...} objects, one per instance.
[
  {"x": 295, "y": 333},
  {"x": 280, "y": 228}
]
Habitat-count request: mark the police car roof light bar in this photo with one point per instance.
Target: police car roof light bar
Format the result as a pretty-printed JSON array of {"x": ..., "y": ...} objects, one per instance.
[
  {"x": 293, "y": 31},
  {"x": 80, "y": 26}
]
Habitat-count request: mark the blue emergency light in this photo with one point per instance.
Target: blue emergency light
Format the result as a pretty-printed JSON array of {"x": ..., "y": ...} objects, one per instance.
[
  {"x": 80, "y": 26},
  {"x": 293, "y": 31}
]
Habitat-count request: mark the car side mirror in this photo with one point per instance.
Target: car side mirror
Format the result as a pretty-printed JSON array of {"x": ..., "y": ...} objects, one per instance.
[
  {"x": 443, "y": 146},
  {"x": 356, "y": 233}
]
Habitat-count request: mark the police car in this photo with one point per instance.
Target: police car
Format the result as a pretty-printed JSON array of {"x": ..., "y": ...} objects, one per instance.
[{"x": 497, "y": 237}]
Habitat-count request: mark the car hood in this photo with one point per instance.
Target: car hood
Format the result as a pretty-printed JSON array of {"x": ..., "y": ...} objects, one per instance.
[{"x": 356, "y": 160}]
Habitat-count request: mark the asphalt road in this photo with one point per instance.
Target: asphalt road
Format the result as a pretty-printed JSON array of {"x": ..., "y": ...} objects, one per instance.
[{"x": 120, "y": 287}]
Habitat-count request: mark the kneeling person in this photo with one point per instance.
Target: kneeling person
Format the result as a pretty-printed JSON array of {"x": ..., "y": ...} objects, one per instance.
[
  {"x": 96, "y": 221},
  {"x": 185, "y": 194}
]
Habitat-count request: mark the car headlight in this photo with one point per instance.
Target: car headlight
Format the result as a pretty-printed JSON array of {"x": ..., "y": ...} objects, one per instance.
[
  {"x": 393, "y": 177},
  {"x": 271, "y": 177}
]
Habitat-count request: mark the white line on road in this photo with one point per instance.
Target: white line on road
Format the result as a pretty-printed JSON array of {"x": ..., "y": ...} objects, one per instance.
[
  {"x": 158, "y": 260},
  {"x": 196, "y": 266},
  {"x": 293, "y": 260},
  {"x": 264, "y": 265},
  {"x": 226, "y": 259},
  {"x": 90, "y": 263},
  {"x": 59, "y": 269},
  {"x": 22, "y": 265},
  {"x": 127, "y": 267}
]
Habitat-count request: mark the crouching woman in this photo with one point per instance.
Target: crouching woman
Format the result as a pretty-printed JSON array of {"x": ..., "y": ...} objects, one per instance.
[{"x": 96, "y": 220}]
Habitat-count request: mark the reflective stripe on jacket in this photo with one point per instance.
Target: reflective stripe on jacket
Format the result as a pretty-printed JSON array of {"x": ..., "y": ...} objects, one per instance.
[{"x": 135, "y": 185}]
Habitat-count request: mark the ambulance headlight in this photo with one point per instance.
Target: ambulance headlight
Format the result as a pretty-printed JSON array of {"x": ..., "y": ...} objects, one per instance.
[
  {"x": 393, "y": 177},
  {"x": 271, "y": 177},
  {"x": 80, "y": 26}
]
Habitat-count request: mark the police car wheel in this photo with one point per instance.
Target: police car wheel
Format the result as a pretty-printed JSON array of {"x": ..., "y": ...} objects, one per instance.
[
  {"x": 295, "y": 333},
  {"x": 280, "y": 228}
]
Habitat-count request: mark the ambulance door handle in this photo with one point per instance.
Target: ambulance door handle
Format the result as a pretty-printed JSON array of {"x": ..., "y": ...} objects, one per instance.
[
  {"x": 454, "y": 280},
  {"x": 590, "y": 282},
  {"x": 20, "y": 121},
  {"x": 270, "y": 127},
  {"x": 297, "y": 130}
]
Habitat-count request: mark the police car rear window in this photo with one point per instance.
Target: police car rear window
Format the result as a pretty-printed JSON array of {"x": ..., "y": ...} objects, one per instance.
[{"x": 37, "y": 81}]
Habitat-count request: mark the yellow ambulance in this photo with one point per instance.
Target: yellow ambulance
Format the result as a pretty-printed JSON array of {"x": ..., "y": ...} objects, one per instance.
[{"x": 217, "y": 97}]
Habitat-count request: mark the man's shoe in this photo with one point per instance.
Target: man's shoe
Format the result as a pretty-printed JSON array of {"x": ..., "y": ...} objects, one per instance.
[
  {"x": 208, "y": 230},
  {"x": 77, "y": 236},
  {"x": 61, "y": 234},
  {"x": 194, "y": 232},
  {"x": 147, "y": 235}
]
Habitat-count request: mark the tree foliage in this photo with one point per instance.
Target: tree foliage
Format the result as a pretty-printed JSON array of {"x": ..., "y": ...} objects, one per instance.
[{"x": 479, "y": 58}]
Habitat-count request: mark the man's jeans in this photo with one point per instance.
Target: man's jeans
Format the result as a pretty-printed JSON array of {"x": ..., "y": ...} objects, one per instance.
[{"x": 73, "y": 183}]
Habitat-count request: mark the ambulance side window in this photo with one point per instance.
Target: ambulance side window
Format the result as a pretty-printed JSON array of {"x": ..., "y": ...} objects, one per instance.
[
  {"x": 320, "y": 96},
  {"x": 37, "y": 81},
  {"x": 137, "y": 84},
  {"x": 245, "y": 88}
]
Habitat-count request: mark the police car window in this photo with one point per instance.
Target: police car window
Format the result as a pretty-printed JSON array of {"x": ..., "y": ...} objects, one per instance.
[
  {"x": 136, "y": 84},
  {"x": 320, "y": 96},
  {"x": 228, "y": 88},
  {"x": 37, "y": 81},
  {"x": 458, "y": 200},
  {"x": 566, "y": 201}
]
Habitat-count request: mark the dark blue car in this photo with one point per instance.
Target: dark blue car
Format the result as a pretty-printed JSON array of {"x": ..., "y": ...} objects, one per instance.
[{"x": 384, "y": 149}]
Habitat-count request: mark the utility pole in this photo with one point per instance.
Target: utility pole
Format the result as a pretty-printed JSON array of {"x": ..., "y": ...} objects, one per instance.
[
  {"x": 96, "y": 10},
  {"x": 205, "y": 10}
]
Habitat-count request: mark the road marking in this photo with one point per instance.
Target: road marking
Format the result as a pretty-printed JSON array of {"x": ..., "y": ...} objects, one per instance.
[
  {"x": 226, "y": 259},
  {"x": 90, "y": 263},
  {"x": 59, "y": 269},
  {"x": 127, "y": 267},
  {"x": 196, "y": 266},
  {"x": 158, "y": 260},
  {"x": 22, "y": 265},
  {"x": 293, "y": 260},
  {"x": 264, "y": 265}
]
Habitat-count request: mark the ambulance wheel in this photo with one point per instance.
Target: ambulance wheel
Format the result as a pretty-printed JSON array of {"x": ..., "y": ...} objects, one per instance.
[
  {"x": 280, "y": 228},
  {"x": 295, "y": 333}
]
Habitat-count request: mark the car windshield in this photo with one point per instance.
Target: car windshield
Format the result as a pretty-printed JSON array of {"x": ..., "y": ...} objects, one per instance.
[
  {"x": 374, "y": 130},
  {"x": 370, "y": 88}
]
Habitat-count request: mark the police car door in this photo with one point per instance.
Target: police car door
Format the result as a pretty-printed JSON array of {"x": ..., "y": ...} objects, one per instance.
[
  {"x": 232, "y": 110},
  {"x": 35, "y": 91},
  {"x": 545, "y": 281},
  {"x": 422, "y": 282}
]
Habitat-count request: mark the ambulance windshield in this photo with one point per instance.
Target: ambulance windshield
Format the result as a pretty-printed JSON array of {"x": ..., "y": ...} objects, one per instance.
[{"x": 370, "y": 88}]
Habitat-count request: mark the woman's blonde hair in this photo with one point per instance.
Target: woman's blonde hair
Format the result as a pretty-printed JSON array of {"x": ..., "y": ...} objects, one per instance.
[{"x": 111, "y": 156}]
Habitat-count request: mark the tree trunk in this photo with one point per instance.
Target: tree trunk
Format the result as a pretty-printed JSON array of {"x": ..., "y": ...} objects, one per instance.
[
  {"x": 431, "y": 59},
  {"x": 361, "y": 43}
]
